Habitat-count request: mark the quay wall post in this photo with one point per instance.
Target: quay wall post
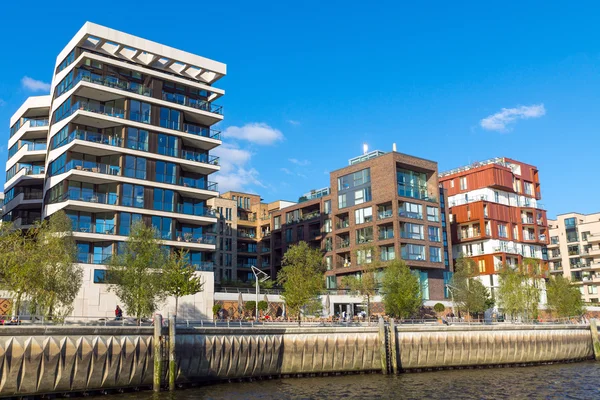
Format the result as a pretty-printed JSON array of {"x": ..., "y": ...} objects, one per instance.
[{"x": 158, "y": 360}]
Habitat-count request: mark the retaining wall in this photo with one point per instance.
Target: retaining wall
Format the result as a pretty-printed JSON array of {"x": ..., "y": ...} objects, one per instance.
[{"x": 40, "y": 360}]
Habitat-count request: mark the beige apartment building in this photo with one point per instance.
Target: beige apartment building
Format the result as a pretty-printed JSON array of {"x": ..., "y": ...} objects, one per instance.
[{"x": 574, "y": 251}]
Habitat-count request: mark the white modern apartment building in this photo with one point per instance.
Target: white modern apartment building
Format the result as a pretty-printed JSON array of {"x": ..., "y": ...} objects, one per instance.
[
  {"x": 125, "y": 135},
  {"x": 574, "y": 251}
]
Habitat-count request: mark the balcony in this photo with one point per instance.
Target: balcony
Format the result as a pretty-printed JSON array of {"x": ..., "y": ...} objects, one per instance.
[
  {"x": 265, "y": 250},
  {"x": 574, "y": 253},
  {"x": 408, "y": 214},
  {"x": 459, "y": 202},
  {"x": 385, "y": 214},
  {"x": 343, "y": 244},
  {"x": 412, "y": 235},
  {"x": 246, "y": 235},
  {"x": 527, "y": 220},
  {"x": 468, "y": 235},
  {"x": 313, "y": 235},
  {"x": 28, "y": 170},
  {"x": 189, "y": 102},
  {"x": 111, "y": 82},
  {"x": 386, "y": 236},
  {"x": 207, "y": 266},
  {"x": 119, "y": 113},
  {"x": 191, "y": 238},
  {"x": 98, "y": 228},
  {"x": 198, "y": 184},
  {"x": 309, "y": 216},
  {"x": 342, "y": 224}
]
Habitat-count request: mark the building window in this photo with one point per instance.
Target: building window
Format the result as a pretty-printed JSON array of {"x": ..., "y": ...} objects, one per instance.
[
  {"x": 463, "y": 183},
  {"x": 165, "y": 172},
  {"x": 170, "y": 118},
  {"x": 363, "y": 215},
  {"x": 592, "y": 289},
  {"x": 164, "y": 200},
  {"x": 168, "y": 145},
  {"x": 288, "y": 235},
  {"x": 327, "y": 207},
  {"x": 411, "y": 231},
  {"x": 570, "y": 222},
  {"x": 327, "y": 226},
  {"x": 387, "y": 253},
  {"x": 496, "y": 197},
  {"x": 386, "y": 232},
  {"x": 139, "y": 111},
  {"x": 432, "y": 214},
  {"x": 164, "y": 226},
  {"x": 451, "y": 183},
  {"x": 424, "y": 283},
  {"x": 435, "y": 254},
  {"x": 133, "y": 196},
  {"x": 410, "y": 210},
  {"x": 135, "y": 167},
  {"x": 328, "y": 263},
  {"x": 300, "y": 233},
  {"x": 502, "y": 231},
  {"x": 355, "y": 179},
  {"x": 447, "y": 280},
  {"x": 481, "y": 264},
  {"x": 433, "y": 233},
  {"x": 342, "y": 200},
  {"x": 137, "y": 139},
  {"x": 364, "y": 256},
  {"x": 528, "y": 188},
  {"x": 411, "y": 183},
  {"x": 362, "y": 195},
  {"x": 414, "y": 252},
  {"x": 364, "y": 235},
  {"x": 331, "y": 282}
]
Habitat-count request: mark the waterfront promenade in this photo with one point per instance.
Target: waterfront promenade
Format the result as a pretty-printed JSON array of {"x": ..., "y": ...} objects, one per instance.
[{"x": 42, "y": 359}]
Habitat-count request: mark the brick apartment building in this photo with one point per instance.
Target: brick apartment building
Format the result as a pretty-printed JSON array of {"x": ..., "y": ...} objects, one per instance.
[
  {"x": 388, "y": 200},
  {"x": 496, "y": 217}
]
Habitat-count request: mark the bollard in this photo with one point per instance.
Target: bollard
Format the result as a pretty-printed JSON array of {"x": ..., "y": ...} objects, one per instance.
[
  {"x": 382, "y": 347},
  {"x": 172, "y": 362},
  {"x": 595, "y": 340},
  {"x": 157, "y": 352},
  {"x": 393, "y": 347}
]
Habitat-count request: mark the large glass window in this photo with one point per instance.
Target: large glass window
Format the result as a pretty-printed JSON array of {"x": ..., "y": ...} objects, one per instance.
[
  {"x": 433, "y": 214},
  {"x": 164, "y": 200},
  {"x": 125, "y": 222},
  {"x": 433, "y": 232},
  {"x": 133, "y": 196},
  {"x": 386, "y": 232},
  {"x": 139, "y": 111},
  {"x": 342, "y": 200},
  {"x": 362, "y": 195},
  {"x": 570, "y": 222},
  {"x": 105, "y": 223},
  {"x": 135, "y": 167},
  {"x": 168, "y": 145},
  {"x": 411, "y": 231},
  {"x": 170, "y": 118},
  {"x": 387, "y": 253},
  {"x": 355, "y": 179},
  {"x": 435, "y": 254},
  {"x": 364, "y": 256},
  {"x": 165, "y": 172},
  {"x": 137, "y": 139},
  {"x": 411, "y": 183},
  {"x": 414, "y": 252},
  {"x": 163, "y": 226},
  {"x": 364, "y": 235},
  {"x": 410, "y": 210},
  {"x": 363, "y": 215}
]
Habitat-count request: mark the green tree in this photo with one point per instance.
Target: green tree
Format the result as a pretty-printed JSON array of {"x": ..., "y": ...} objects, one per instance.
[
  {"x": 519, "y": 293},
  {"x": 17, "y": 263},
  {"x": 263, "y": 306},
  {"x": 439, "y": 307},
  {"x": 564, "y": 299},
  {"x": 180, "y": 278},
  {"x": 250, "y": 307},
  {"x": 365, "y": 282},
  {"x": 301, "y": 279},
  {"x": 58, "y": 278},
  {"x": 401, "y": 290},
  {"x": 216, "y": 308},
  {"x": 135, "y": 274},
  {"x": 468, "y": 292}
]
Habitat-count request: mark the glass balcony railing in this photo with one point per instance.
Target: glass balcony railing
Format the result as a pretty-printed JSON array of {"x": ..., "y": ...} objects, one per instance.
[
  {"x": 411, "y": 235},
  {"x": 342, "y": 244},
  {"x": 113, "y": 82},
  {"x": 204, "y": 266},
  {"x": 201, "y": 131},
  {"x": 29, "y": 170},
  {"x": 89, "y": 258},
  {"x": 199, "y": 157},
  {"x": 99, "y": 228},
  {"x": 198, "y": 184},
  {"x": 410, "y": 214},
  {"x": 88, "y": 197},
  {"x": 342, "y": 224},
  {"x": 187, "y": 237},
  {"x": 32, "y": 123},
  {"x": 194, "y": 103},
  {"x": 89, "y": 166},
  {"x": 197, "y": 210},
  {"x": 385, "y": 214}
]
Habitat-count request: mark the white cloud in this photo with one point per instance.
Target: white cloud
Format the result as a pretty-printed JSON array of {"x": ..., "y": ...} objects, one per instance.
[
  {"x": 293, "y": 122},
  {"x": 499, "y": 121},
  {"x": 286, "y": 171},
  {"x": 34, "y": 85},
  {"x": 235, "y": 174},
  {"x": 301, "y": 163},
  {"x": 256, "y": 132}
]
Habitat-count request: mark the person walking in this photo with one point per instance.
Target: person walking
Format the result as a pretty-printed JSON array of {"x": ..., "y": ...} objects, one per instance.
[{"x": 118, "y": 313}]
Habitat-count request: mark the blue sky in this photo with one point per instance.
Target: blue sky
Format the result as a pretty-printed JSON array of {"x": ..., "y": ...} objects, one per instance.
[{"x": 308, "y": 83}]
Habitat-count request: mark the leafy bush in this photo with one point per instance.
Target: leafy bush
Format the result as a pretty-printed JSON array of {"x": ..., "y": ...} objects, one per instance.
[
  {"x": 439, "y": 307},
  {"x": 263, "y": 305},
  {"x": 216, "y": 308}
]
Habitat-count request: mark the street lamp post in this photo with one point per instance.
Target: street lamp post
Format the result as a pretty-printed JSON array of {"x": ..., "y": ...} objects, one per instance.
[{"x": 259, "y": 277}]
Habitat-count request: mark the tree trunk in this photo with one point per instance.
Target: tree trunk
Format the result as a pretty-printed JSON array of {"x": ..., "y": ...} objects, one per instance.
[{"x": 176, "y": 305}]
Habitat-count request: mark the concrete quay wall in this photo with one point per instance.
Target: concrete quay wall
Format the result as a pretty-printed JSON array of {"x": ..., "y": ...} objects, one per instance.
[{"x": 42, "y": 360}]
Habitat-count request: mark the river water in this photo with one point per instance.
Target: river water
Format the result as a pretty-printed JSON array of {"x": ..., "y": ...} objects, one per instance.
[{"x": 557, "y": 381}]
